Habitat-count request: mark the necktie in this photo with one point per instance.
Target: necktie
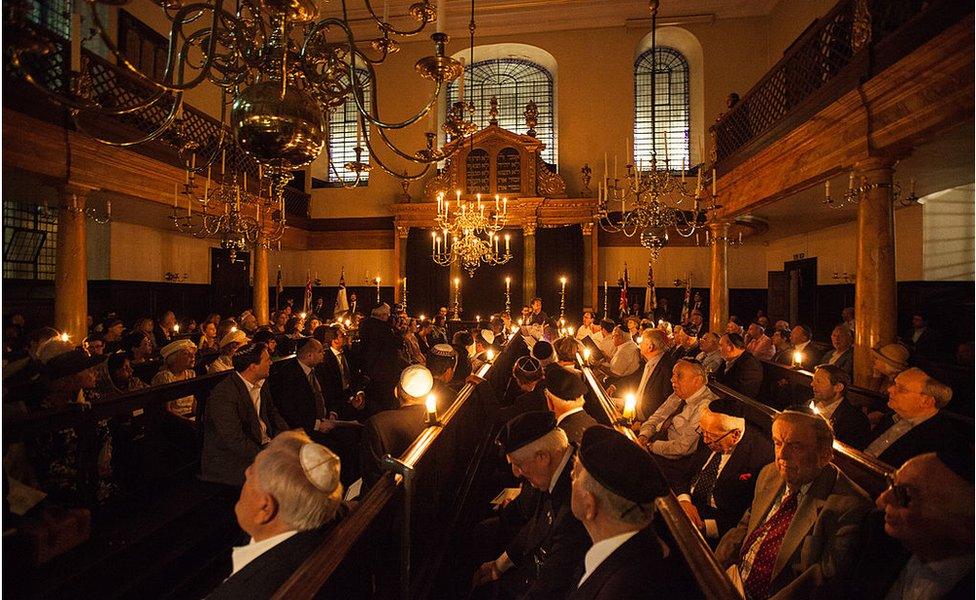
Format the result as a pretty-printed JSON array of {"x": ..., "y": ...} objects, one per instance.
[
  {"x": 769, "y": 536},
  {"x": 701, "y": 491},
  {"x": 344, "y": 367},
  {"x": 662, "y": 432},
  {"x": 313, "y": 381}
]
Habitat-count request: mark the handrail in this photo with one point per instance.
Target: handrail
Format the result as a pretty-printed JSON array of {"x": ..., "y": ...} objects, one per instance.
[
  {"x": 319, "y": 567},
  {"x": 704, "y": 566}
]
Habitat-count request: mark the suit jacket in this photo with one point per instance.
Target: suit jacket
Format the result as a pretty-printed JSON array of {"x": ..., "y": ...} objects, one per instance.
[
  {"x": 850, "y": 424},
  {"x": 761, "y": 347},
  {"x": 744, "y": 376},
  {"x": 330, "y": 377},
  {"x": 575, "y": 424},
  {"x": 658, "y": 387},
  {"x": 293, "y": 395},
  {"x": 821, "y": 541},
  {"x": 231, "y": 432},
  {"x": 389, "y": 432},
  {"x": 379, "y": 351},
  {"x": 736, "y": 484},
  {"x": 934, "y": 434},
  {"x": 783, "y": 357},
  {"x": 845, "y": 361},
  {"x": 548, "y": 548},
  {"x": 636, "y": 570}
]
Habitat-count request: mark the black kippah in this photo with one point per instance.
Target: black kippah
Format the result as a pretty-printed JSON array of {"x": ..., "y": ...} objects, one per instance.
[
  {"x": 621, "y": 466},
  {"x": 726, "y": 406},
  {"x": 959, "y": 461},
  {"x": 525, "y": 429},
  {"x": 563, "y": 383}
]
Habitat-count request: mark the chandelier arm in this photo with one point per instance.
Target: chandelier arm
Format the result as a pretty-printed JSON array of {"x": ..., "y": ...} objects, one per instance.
[
  {"x": 375, "y": 120},
  {"x": 414, "y": 159},
  {"x": 388, "y": 26},
  {"x": 152, "y": 135},
  {"x": 403, "y": 176}
]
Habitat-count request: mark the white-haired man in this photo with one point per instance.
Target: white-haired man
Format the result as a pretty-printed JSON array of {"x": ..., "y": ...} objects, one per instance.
[
  {"x": 540, "y": 561},
  {"x": 290, "y": 500}
]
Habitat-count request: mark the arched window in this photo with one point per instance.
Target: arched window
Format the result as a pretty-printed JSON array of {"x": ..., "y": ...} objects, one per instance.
[
  {"x": 513, "y": 82},
  {"x": 670, "y": 133},
  {"x": 343, "y": 138}
]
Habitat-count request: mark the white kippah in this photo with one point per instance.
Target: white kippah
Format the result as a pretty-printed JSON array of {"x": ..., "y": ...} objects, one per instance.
[
  {"x": 488, "y": 336},
  {"x": 416, "y": 381},
  {"x": 321, "y": 466}
]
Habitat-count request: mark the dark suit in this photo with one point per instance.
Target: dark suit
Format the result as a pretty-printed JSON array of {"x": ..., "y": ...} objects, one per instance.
[
  {"x": 850, "y": 424},
  {"x": 636, "y": 570},
  {"x": 736, "y": 483},
  {"x": 658, "y": 387},
  {"x": 575, "y": 424},
  {"x": 783, "y": 357},
  {"x": 745, "y": 375},
  {"x": 231, "y": 432},
  {"x": 381, "y": 362},
  {"x": 389, "y": 432},
  {"x": 929, "y": 344},
  {"x": 548, "y": 548},
  {"x": 336, "y": 395},
  {"x": 933, "y": 435},
  {"x": 845, "y": 361}
]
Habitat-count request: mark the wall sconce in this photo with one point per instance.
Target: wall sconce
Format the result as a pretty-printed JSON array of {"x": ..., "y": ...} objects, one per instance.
[
  {"x": 845, "y": 277},
  {"x": 177, "y": 277}
]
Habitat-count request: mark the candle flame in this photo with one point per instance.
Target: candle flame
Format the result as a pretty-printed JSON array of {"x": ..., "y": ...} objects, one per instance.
[
  {"x": 798, "y": 358},
  {"x": 431, "y": 404},
  {"x": 64, "y": 337},
  {"x": 630, "y": 406},
  {"x": 586, "y": 354},
  {"x": 490, "y": 355}
]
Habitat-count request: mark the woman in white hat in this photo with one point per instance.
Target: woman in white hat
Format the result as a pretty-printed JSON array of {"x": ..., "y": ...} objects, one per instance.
[
  {"x": 889, "y": 361},
  {"x": 178, "y": 358},
  {"x": 228, "y": 346}
]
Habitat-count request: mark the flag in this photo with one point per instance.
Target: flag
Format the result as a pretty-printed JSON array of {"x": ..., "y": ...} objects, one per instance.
[
  {"x": 278, "y": 288},
  {"x": 307, "y": 305},
  {"x": 341, "y": 303},
  {"x": 624, "y": 283},
  {"x": 650, "y": 300},
  {"x": 686, "y": 307}
]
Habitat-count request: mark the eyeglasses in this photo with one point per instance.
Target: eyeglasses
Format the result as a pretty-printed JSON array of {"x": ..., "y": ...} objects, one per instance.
[
  {"x": 702, "y": 434},
  {"x": 899, "y": 493}
]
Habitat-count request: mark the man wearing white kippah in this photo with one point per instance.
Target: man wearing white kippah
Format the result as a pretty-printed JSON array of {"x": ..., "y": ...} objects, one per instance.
[{"x": 292, "y": 498}]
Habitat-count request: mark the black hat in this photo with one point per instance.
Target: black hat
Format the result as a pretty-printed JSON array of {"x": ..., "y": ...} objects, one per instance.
[
  {"x": 959, "y": 461},
  {"x": 525, "y": 429},
  {"x": 527, "y": 369},
  {"x": 563, "y": 383},
  {"x": 726, "y": 406},
  {"x": 620, "y": 465},
  {"x": 69, "y": 363},
  {"x": 543, "y": 352}
]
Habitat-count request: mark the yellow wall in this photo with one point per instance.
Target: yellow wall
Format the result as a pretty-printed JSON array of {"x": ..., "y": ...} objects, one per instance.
[
  {"x": 947, "y": 226},
  {"x": 679, "y": 262},
  {"x": 790, "y": 18}
]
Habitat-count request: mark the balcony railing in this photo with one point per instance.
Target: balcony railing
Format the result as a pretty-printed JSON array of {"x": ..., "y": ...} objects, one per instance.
[{"x": 850, "y": 44}]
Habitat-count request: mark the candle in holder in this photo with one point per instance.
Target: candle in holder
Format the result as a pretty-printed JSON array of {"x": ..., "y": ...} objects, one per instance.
[
  {"x": 377, "y": 290},
  {"x": 176, "y": 328},
  {"x": 797, "y": 359},
  {"x": 490, "y": 355},
  {"x": 630, "y": 407},
  {"x": 431, "y": 405},
  {"x": 586, "y": 355},
  {"x": 508, "y": 284}
]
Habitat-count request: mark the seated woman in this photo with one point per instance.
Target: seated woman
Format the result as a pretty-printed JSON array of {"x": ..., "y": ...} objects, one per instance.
[
  {"x": 119, "y": 378},
  {"x": 208, "y": 339},
  {"x": 228, "y": 346},
  {"x": 178, "y": 360}
]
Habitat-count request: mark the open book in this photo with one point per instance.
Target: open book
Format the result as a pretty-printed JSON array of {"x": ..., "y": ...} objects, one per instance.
[{"x": 506, "y": 495}]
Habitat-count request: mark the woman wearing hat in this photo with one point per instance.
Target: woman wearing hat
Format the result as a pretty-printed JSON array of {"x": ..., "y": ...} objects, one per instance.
[
  {"x": 178, "y": 360},
  {"x": 889, "y": 361},
  {"x": 228, "y": 346}
]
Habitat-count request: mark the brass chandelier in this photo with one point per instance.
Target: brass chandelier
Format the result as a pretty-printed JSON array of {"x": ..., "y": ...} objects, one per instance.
[
  {"x": 280, "y": 68},
  {"x": 650, "y": 201},
  {"x": 470, "y": 234}
]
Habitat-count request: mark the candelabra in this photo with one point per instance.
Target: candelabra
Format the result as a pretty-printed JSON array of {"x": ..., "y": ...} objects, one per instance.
[
  {"x": 471, "y": 236},
  {"x": 508, "y": 295},
  {"x": 562, "y": 299},
  {"x": 854, "y": 193},
  {"x": 456, "y": 315},
  {"x": 711, "y": 240},
  {"x": 845, "y": 277}
]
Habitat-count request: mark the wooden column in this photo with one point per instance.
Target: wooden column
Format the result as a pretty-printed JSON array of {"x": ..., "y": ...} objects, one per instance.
[
  {"x": 590, "y": 265},
  {"x": 261, "y": 283},
  {"x": 528, "y": 264},
  {"x": 718, "y": 311},
  {"x": 399, "y": 261},
  {"x": 874, "y": 291},
  {"x": 71, "y": 264}
]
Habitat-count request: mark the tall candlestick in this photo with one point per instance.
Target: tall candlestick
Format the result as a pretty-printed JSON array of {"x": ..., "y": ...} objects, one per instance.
[
  {"x": 562, "y": 298},
  {"x": 206, "y": 186},
  {"x": 441, "y": 15},
  {"x": 605, "y": 297},
  {"x": 461, "y": 83},
  {"x": 377, "y": 290},
  {"x": 714, "y": 183},
  {"x": 508, "y": 239},
  {"x": 827, "y": 189},
  {"x": 359, "y": 132},
  {"x": 223, "y": 159}
]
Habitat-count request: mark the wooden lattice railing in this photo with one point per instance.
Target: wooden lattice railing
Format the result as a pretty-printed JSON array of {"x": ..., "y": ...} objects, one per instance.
[{"x": 816, "y": 59}]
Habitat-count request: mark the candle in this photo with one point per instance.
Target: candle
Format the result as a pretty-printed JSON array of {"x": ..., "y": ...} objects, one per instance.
[
  {"x": 490, "y": 355},
  {"x": 441, "y": 15},
  {"x": 431, "y": 406},
  {"x": 507, "y": 240},
  {"x": 359, "y": 132},
  {"x": 563, "y": 281},
  {"x": 189, "y": 210},
  {"x": 496, "y": 203},
  {"x": 64, "y": 337},
  {"x": 75, "y": 41},
  {"x": 433, "y": 241},
  {"x": 508, "y": 284},
  {"x": 461, "y": 83},
  {"x": 206, "y": 185},
  {"x": 797, "y": 358},
  {"x": 457, "y": 193},
  {"x": 628, "y": 156},
  {"x": 827, "y": 189},
  {"x": 457, "y": 282},
  {"x": 586, "y": 355},
  {"x": 850, "y": 181},
  {"x": 505, "y": 205},
  {"x": 386, "y": 11},
  {"x": 630, "y": 406},
  {"x": 176, "y": 194},
  {"x": 223, "y": 158}
]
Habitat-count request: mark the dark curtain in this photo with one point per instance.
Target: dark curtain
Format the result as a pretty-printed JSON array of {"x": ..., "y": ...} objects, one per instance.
[
  {"x": 427, "y": 282},
  {"x": 558, "y": 253},
  {"x": 484, "y": 293}
]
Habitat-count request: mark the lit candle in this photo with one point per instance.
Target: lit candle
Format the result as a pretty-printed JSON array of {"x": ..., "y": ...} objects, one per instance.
[
  {"x": 422, "y": 317},
  {"x": 797, "y": 358},
  {"x": 176, "y": 328},
  {"x": 827, "y": 189},
  {"x": 431, "y": 406},
  {"x": 508, "y": 284},
  {"x": 630, "y": 406},
  {"x": 586, "y": 355},
  {"x": 605, "y": 172},
  {"x": 432, "y": 118},
  {"x": 458, "y": 194},
  {"x": 508, "y": 239},
  {"x": 490, "y": 355},
  {"x": 570, "y": 330},
  {"x": 223, "y": 158},
  {"x": 505, "y": 205},
  {"x": 441, "y": 14},
  {"x": 433, "y": 241},
  {"x": 477, "y": 318},
  {"x": 302, "y": 315},
  {"x": 563, "y": 281},
  {"x": 64, "y": 337},
  {"x": 496, "y": 203}
]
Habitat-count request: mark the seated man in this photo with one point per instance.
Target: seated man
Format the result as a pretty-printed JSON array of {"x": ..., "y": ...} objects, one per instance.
[
  {"x": 540, "y": 561},
  {"x": 441, "y": 362},
  {"x": 722, "y": 480},
  {"x": 921, "y": 544},
  {"x": 615, "y": 484},
  {"x": 759, "y": 344},
  {"x": 801, "y": 530},
  {"x": 842, "y": 354},
  {"x": 711, "y": 355},
  {"x": 605, "y": 343},
  {"x": 743, "y": 371},
  {"x": 291, "y": 499},
  {"x": 850, "y": 425},
  {"x": 918, "y": 424},
  {"x": 800, "y": 337},
  {"x": 654, "y": 386},
  {"x": 672, "y": 431},
  {"x": 528, "y": 375},
  {"x": 240, "y": 418},
  {"x": 782, "y": 354},
  {"x": 392, "y": 431},
  {"x": 564, "y": 395},
  {"x": 626, "y": 357}
]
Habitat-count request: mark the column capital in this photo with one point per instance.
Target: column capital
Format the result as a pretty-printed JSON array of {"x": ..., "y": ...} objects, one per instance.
[
  {"x": 529, "y": 228},
  {"x": 719, "y": 227},
  {"x": 72, "y": 196},
  {"x": 588, "y": 228}
]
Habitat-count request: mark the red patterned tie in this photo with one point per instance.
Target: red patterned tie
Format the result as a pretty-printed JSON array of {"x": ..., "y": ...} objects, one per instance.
[{"x": 757, "y": 583}]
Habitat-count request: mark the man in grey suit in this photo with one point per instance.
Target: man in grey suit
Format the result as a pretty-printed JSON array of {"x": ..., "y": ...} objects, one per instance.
[
  {"x": 800, "y": 534},
  {"x": 842, "y": 354},
  {"x": 240, "y": 418}
]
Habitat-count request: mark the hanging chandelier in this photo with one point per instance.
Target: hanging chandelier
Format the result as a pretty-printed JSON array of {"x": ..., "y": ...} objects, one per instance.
[
  {"x": 471, "y": 237},
  {"x": 281, "y": 71},
  {"x": 652, "y": 201}
]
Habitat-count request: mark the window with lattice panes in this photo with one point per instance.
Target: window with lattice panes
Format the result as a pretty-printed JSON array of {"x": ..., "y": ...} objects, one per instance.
[
  {"x": 513, "y": 82},
  {"x": 665, "y": 129},
  {"x": 343, "y": 138},
  {"x": 29, "y": 241},
  {"x": 142, "y": 46},
  {"x": 54, "y": 15}
]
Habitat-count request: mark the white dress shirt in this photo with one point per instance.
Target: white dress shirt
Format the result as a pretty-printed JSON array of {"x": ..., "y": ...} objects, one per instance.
[
  {"x": 626, "y": 359},
  {"x": 929, "y": 581},
  {"x": 571, "y": 411},
  {"x": 602, "y": 550},
  {"x": 894, "y": 433},
  {"x": 682, "y": 438},
  {"x": 242, "y": 555},
  {"x": 827, "y": 410}
]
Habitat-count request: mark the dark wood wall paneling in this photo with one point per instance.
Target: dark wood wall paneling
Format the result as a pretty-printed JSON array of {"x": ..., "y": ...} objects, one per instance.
[{"x": 559, "y": 252}]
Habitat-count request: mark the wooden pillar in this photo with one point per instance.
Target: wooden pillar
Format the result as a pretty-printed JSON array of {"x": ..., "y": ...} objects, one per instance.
[
  {"x": 874, "y": 291},
  {"x": 528, "y": 264},
  {"x": 261, "y": 283},
  {"x": 71, "y": 264},
  {"x": 590, "y": 265},
  {"x": 718, "y": 311},
  {"x": 399, "y": 261}
]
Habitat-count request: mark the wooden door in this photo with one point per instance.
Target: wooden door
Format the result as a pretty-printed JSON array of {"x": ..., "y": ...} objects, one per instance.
[
  {"x": 777, "y": 298},
  {"x": 230, "y": 289}
]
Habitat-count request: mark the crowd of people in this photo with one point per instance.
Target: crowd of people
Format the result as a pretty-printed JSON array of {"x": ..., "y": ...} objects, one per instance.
[{"x": 316, "y": 401}]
